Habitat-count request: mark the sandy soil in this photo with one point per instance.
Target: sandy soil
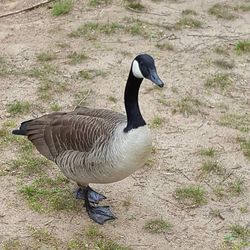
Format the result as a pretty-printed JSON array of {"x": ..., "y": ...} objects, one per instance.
[{"x": 176, "y": 162}]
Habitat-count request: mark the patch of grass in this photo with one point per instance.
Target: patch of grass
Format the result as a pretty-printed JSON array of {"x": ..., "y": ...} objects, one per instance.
[
  {"x": 95, "y": 3},
  {"x": 222, "y": 11},
  {"x": 77, "y": 57},
  {"x": 81, "y": 97},
  {"x": 46, "y": 56},
  {"x": 63, "y": 45},
  {"x": 126, "y": 202},
  {"x": 235, "y": 120},
  {"x": 187, "y": 106},
  {"x": 3, "y": 67},
  {"x": 62, "y": 7},
  {"x": 224, "y": 64},
  {"x": 112, "y": 99},
  {"x": 28, "y": 163},
  {"x": 189, "y": 12},
  {"x": 13, "y": 244},
  {"x": 19, "y": 107},
  {"x": 165, "y": 46},
  {"x": 134, "y": 4},
  {"x": 6, "y": 136},
  {"x": 191, "y": 195},
  {"x": 43, "y": 237},
  {"x": 239, "y": 231},
  {"x": 156, "y": 122},
  {"x": 188, "y": 22},
  {"x": 137, "y": 27},
  {"x": 76, "y": 244},
  {"x": 219, "y": 80},
  {"x": 42, "y": 72},
  {"x": 46, "y": 194},
  {"x": 90, "y": 74},
  {"x": 219, "y": 191},
  {"x": 211, "y": 167},
  {"x": 55, "y": 107},
  {"x": 221, "y": 50},
  {"x": 236, "y": 187},
  {"x": 102, "y": 242},
  {"x": 209, "y": 152},
  {"x": 244, "y": 209},
  {"x": 242, "y": 47},
  {"x": 245, "y": 147},
  {"x": 157, "y": 226},
  {"x": 91, "y": 30},
  {"x": 48, "y": 87},
  {"x": 242, "y": 7}
]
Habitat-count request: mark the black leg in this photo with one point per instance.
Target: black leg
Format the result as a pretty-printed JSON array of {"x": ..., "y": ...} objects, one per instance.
[
  {"x": 99, "y": 214},
  {"x": 93, "y": 196}
]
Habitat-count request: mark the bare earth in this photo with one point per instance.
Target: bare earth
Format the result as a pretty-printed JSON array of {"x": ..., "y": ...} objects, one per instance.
[{"x": 188, "y": 114}]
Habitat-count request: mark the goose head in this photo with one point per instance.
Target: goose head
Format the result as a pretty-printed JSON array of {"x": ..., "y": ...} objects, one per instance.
[{"x": 143, "y": 66}]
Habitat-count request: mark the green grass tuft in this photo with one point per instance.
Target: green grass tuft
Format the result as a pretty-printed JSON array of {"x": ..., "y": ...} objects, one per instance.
[
  {"x": 239, "y": 231},
  {"x": 165, "y": 46},
  {"x": 134, "y": 4},
  {"x": 77, "y": 57},
  {"x": 156, "y": 122},
  {"x": 90, "y": 30},
  {"x": 224, "y": 64},
  {"x": 19, "y": 107},
  {"x": 187, "y": 106},
  {"x": 211, "y": 167},
  {"x": 13, "y": 244},
  {"x": 112, "y": 99},
  {"x": 102, "y": 242},
  {"x": 95, "y": 3},
  {"x": 62, "y": 7},
  {"x": 245, "y": 147},
  {"x": 219, "y": 80},
  {"x": 80, "y": 98},
  {"x": 188, "y": 22},
  {"x": 221, "y": 11},
  {"x": 55, "y": 107},
  {"x": 43, "y": 237},
  {"x": 236, "y": 187},
  {"x": 221, "y": 50},
  {"x": 6, "y": 136},
  {"x": 242, "y": 47},
  {"x": 46, "y": 56},
  {"x": 209, "y": 152},
  {"x": 189, "y": 12},
  {"x": 242, "y": 7},
  {"x": 156, "y": 226},
  {"x": 190, "y": 195},
  {"x": 46, "y": 194},
  {"x": 90, "y": 74},
  {"x": 236, "y": 121},
  {"x": 28, "y": 163}
]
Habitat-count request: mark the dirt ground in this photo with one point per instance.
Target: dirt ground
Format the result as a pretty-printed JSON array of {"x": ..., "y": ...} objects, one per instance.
[{"x": 187, "y": 118}]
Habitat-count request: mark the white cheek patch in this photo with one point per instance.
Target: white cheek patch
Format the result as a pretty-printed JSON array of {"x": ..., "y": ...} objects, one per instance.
[{"x": 136, "y": 70}]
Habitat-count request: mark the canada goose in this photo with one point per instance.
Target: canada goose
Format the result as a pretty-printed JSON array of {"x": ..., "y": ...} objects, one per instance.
[{"x": 97, "y": 145}]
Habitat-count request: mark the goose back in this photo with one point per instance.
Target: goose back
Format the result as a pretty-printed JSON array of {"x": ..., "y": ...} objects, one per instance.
[{"x": 81, "y": 130}]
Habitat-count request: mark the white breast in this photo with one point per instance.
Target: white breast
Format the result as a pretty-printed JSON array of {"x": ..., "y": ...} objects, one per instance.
[{"x": 127, "y": 152}]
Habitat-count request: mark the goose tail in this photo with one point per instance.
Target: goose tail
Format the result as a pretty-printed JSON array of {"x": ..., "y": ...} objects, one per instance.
[{"x": 22, "y": 130}]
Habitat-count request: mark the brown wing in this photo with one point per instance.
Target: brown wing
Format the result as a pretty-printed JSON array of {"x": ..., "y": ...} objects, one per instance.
[{"x": 78, "y": 130}]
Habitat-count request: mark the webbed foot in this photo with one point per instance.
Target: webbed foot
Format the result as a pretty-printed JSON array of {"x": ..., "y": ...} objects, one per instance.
[
  {"x": 93, "y": 196},
  {"x": 99, "y": 214}
]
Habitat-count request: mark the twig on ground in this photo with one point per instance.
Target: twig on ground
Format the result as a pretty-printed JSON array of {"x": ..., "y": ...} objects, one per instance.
[{"x": 26, "y": 9}]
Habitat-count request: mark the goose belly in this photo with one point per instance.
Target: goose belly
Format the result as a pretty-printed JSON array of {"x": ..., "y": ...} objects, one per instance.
[{"x": 124, "y": 154}]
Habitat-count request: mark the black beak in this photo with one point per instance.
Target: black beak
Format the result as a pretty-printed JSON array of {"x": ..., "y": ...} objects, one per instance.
[{"x": 153, "y": 76}]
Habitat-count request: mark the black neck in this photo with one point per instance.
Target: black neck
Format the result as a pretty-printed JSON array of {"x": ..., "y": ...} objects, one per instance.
[{"x": 134, "y": 116}]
